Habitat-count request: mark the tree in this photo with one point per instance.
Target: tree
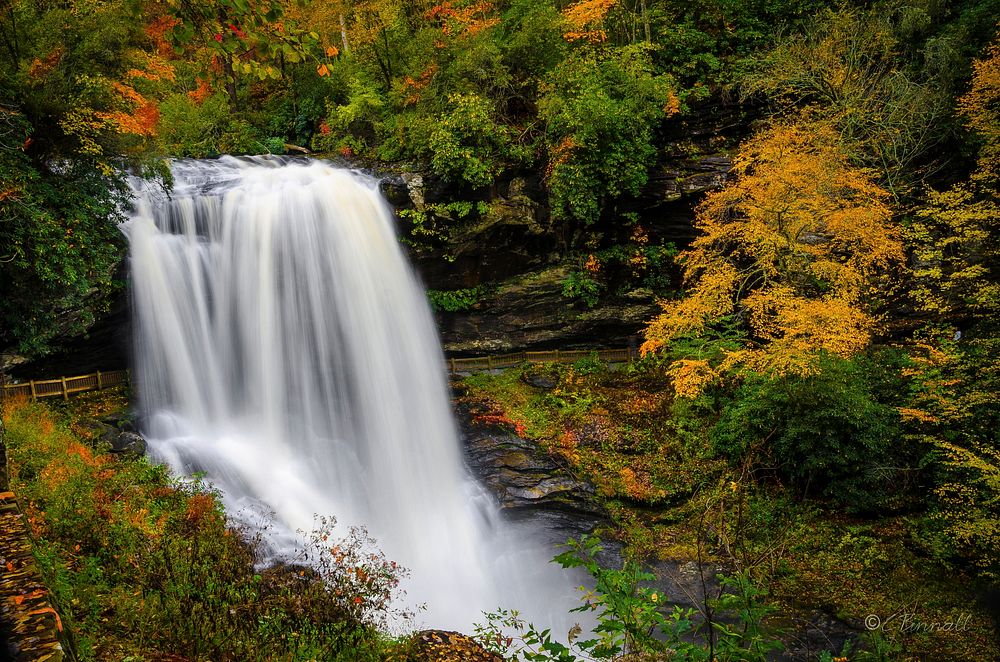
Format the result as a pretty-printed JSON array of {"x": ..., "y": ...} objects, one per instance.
[
  {"x": 602, "y": 108},
  {"x": 242, "y": 38},
  {"x": 79, "y": 83},
  {"x": 955, "y": 239},
  {"x": 795, "y": 247},
  {"x": 847, "y": 66}
]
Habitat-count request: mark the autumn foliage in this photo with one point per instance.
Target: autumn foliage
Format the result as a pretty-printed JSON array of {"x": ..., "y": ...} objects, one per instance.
[
  {"x": 586, "y": 19},
  {"x": 140, "y": 564},
  {"x": 795, "y": 247}
]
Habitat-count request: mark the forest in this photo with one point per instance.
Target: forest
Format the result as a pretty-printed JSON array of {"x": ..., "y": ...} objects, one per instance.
[{"x": 812, "y": 419}]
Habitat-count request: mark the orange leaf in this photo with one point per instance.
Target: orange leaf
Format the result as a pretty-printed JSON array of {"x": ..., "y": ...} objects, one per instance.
[
  {"x": 10, "y": 567},
  {"x": 332, "y": 51},
  {"x": 18, "y": 599},
  {"x": 322, "y": 70}
]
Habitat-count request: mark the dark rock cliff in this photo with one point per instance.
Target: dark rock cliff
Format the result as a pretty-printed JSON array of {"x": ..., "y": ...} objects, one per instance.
[{"x": 530, "y": 312}]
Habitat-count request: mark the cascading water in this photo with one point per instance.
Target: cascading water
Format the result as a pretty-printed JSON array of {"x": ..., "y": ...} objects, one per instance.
[{"x": 285, "y": 349}]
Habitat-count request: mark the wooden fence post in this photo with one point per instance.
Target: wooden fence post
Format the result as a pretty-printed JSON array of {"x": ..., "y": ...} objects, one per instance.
[
  {"x": 65, "y": 392},
  {"x": 489, "y": 362},
  {"x": 34, "y": 395},
  {"x": 98, "y": 380}
]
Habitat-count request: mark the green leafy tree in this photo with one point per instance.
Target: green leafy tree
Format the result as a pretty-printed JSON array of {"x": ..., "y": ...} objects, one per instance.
[
  {"x": 79, "y": 84},
  {"x": 242, "y": 38},
  {"x": 601, "y": 111}
]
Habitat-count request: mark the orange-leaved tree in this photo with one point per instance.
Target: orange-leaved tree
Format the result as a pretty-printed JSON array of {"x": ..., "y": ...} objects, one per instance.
[{"x": 794, "y": 248}]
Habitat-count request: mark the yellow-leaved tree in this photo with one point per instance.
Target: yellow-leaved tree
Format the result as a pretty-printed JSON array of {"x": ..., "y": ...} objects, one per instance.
[
  {"x": 795, "y": 248},
  {"x": 955, "y": 241}
]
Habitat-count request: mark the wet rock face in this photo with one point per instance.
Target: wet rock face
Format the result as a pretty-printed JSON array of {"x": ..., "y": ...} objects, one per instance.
[
  {"x": 527, "y": 482},
  {"x": 521, "y": 477}
]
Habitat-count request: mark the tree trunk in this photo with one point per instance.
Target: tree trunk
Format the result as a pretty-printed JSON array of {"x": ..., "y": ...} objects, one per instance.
[
  {"x": 343, "y": 35},
  {"x": 227, "y": 68}
]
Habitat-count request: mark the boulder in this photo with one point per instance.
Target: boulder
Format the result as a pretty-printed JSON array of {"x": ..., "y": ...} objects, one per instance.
[
  {"x": 109, "y": 435},
  {"x": 540, "y": 377},
  {"x": 448, "y": 646},
  {"x": 98, "y": 431},
  {"x": 129, "y": 444},
  {"x": 121, "y": 420}
]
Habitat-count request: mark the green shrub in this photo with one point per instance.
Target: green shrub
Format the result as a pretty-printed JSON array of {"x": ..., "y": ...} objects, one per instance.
[
  {"x": 827, "y": 433},
  {"x": 580, "y": 285},
  {"x": 453, "y": 301},
  {"x": 621, "y": 269}
]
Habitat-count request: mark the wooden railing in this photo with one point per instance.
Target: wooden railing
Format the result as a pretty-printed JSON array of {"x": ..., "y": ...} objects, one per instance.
[
  {"x": 65, "y": 386},
  {"x": 494, "y": 362}
]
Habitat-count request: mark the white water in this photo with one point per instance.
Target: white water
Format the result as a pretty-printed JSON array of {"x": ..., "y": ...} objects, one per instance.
[{"x": 285, "y": 348}]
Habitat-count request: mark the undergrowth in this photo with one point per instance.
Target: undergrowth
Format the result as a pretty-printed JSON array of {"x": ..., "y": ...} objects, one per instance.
[
  {"x": 673, "y": 495},
  {"x": 143, "y": 566}
]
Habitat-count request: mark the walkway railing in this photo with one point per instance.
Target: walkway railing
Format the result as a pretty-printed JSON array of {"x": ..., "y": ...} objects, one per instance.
[
  {"x": 66, "y": 386},
  {"x": 494, "y": 362}
]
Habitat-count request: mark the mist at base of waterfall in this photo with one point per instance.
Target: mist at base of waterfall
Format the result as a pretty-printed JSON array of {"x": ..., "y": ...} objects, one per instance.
[{"x": 285, "y": 350}]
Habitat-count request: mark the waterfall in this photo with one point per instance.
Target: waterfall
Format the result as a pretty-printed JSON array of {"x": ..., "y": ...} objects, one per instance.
[{"x": 285, "y": 349}]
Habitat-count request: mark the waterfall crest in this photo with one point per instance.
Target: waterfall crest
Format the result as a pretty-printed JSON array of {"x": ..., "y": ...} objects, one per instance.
[{"x": 284, "y": 347}]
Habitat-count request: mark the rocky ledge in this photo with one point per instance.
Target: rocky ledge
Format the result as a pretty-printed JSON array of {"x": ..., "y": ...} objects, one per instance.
[
  {"x": 524, "y": 479},
  {"x": 531, "y": 312},
  {"x": 530, "y": 484}
]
